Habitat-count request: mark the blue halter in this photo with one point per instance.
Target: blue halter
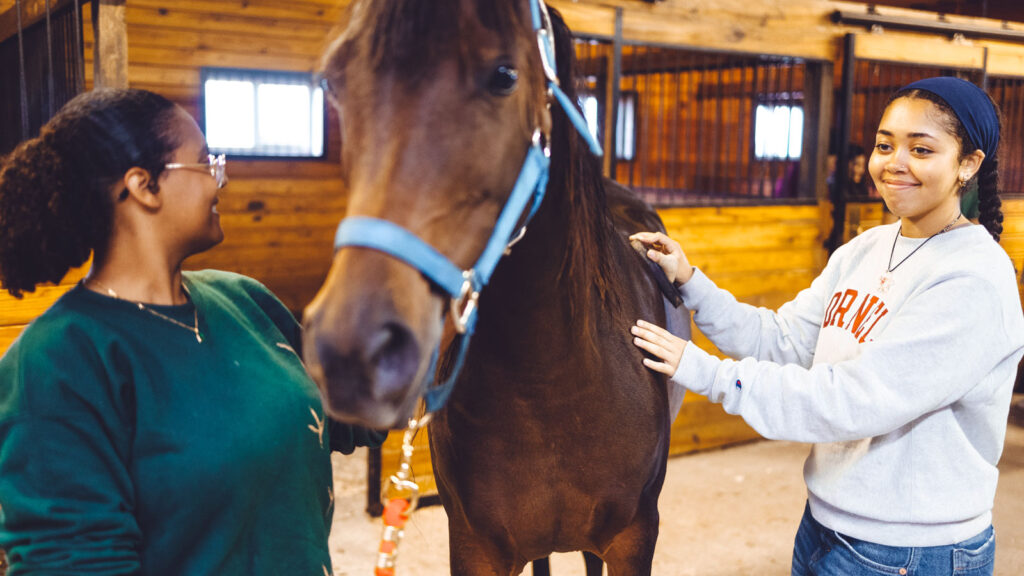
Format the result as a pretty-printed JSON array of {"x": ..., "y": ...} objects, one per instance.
[{"x": 464, "y": 286}]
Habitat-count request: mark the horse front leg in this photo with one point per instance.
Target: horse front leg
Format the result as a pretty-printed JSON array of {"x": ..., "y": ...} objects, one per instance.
[
  {"x": 473, "y": 554},
  {"x": 631, "y": 552}
]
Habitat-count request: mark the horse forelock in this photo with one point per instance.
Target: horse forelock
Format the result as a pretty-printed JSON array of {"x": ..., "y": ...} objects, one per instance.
[{"x": 408, "y": 38}]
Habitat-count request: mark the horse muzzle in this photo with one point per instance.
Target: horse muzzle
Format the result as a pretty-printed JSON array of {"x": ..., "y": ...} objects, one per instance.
[{"x": 367, "y": 350}]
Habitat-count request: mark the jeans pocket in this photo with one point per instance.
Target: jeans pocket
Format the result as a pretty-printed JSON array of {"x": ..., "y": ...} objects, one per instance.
[
  {"x": 975, "y": 557},
  {"x": 873, "y": 558}
]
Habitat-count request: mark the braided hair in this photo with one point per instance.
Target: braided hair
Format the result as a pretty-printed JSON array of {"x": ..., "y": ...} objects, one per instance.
[
  {"x": 990, "y": 207},
  {"x": 56, "y": 201}
]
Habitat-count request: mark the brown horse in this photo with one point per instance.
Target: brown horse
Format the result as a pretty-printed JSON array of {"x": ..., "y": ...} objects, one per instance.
[{"x": 555, "y": 437}]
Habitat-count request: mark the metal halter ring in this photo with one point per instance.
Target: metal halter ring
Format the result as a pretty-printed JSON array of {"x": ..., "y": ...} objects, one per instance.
[{"x": 464, "y": 306}]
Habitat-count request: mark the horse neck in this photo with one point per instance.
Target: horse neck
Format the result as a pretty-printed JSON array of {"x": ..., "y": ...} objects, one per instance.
[{"x": 565, "y": 257}]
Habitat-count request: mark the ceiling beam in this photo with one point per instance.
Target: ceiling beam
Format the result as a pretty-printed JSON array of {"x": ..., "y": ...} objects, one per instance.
[
  {"x": 32, "y": 11},
  {"x": 940, "y": 25}
]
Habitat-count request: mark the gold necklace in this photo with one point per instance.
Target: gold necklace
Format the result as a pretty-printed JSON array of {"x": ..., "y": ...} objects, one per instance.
[
  {"x": 195, "y": 309},
  {"x": 885, "y": 281}
]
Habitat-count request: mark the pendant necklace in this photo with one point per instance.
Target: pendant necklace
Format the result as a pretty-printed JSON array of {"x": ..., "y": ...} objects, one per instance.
[
  {"x": 195, "y": 309},
  {"x": 885, "y": 281}
]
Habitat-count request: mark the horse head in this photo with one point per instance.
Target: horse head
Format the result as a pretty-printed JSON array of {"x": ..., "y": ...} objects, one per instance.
[{"x": 439, "y": 104}]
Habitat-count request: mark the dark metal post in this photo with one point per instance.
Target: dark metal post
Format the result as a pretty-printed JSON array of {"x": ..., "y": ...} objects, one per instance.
[
  {"x": 836, "y": 193},
  {"x": 613, "y": 149}
]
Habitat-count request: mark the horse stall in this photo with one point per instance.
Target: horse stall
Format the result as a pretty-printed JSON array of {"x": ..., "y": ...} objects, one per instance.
[{"x": 721, "y": 114}]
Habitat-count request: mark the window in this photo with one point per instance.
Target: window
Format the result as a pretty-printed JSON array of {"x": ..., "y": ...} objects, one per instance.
[
  {"x": 260, "y": 113},
  {"x": 778, "y": 132},
  {"x": 588, "y": 103},
  {"x": 625, "y": 132},
  {"x": 625, "y": 146}
]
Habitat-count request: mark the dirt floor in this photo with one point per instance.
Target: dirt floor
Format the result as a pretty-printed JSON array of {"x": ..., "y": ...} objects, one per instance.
[{"x": 723, "y": 513}]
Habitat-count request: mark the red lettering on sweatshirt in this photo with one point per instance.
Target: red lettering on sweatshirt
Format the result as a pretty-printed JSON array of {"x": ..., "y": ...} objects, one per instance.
[
  {"x": 839, "y": 306},
  {"x": 869, "y": 310}
]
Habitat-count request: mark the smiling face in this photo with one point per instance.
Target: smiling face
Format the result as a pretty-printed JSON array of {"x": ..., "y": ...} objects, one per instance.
[
  {"x": 917, "y": 165},
  {"x": 190, "y": 194}
]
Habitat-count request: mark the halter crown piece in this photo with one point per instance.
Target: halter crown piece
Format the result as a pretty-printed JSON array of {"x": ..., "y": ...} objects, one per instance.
[{"x": 464, "y": 286}]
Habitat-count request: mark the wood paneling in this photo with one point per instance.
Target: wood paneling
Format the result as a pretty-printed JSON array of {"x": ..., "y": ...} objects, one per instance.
[
  {"x": 1012, "y": 238},
  {"x": 16, "y": 313}
]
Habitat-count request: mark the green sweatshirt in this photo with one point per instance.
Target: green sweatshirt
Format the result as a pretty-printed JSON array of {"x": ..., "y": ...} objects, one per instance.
[{"x": 127, "y": 447}]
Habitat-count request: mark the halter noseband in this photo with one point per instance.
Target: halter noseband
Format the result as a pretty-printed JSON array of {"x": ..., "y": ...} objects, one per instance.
[{"x": 464, "y": 286}]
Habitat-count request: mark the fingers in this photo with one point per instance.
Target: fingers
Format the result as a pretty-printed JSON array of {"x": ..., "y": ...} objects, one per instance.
[
  {"x": 656, "y": 240},
  {"x": 660, "y": 343},
  {"x": 648, "y": 237},
  {"x": 645, "y": 328},
  {"x": 661, "y": 367}
]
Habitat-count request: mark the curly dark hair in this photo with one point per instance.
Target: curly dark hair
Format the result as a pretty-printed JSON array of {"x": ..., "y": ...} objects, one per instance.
[
  {"x": 990, "y": 207},
  {"x": 56, "y": 197}
]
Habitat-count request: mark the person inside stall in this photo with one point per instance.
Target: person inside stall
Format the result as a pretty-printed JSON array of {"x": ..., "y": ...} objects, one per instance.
[
  {"x": 153, "y": 420},
  {"x": 897, "y": 363}
]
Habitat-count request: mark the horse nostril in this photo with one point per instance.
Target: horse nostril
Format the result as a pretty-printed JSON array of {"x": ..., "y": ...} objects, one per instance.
[{"x": 393, "y": 355}]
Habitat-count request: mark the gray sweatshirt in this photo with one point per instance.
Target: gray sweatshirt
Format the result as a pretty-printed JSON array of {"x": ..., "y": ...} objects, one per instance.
[{"x": 904, "y": 389}]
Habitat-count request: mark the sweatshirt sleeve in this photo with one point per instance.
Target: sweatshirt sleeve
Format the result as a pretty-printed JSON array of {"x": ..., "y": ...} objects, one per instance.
[
  {"x": 788, "y": 336},
  {"x": 933, "y": 351},
  {"x": 66, "y": 496}
]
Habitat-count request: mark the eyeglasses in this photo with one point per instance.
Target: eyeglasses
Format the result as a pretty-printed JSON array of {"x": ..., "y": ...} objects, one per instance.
[{"x": 215, "y": 164}]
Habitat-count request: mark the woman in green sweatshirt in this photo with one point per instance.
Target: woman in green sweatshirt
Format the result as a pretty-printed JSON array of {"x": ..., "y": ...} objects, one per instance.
[{"x": 152, "y": 421}]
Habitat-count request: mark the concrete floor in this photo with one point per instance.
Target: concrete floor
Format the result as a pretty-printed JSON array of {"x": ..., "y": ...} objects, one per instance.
[{"x": 724, "y": 513}]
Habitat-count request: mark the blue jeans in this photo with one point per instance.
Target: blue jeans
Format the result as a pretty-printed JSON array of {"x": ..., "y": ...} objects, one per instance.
[{"x": 819, "y": 551}]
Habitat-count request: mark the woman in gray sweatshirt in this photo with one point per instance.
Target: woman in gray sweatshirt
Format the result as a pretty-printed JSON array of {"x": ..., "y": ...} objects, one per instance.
[{"x": 898, "y": 361}]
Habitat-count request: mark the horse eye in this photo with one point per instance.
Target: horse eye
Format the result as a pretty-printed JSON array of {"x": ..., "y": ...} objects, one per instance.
[{"x": 503, "y": 80}]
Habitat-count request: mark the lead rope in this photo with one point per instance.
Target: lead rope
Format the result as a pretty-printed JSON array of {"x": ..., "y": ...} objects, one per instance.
[{"x": 402, "y": 494}]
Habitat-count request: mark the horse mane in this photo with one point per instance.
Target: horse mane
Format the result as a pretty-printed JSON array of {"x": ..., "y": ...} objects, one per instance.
[{"x": 589, "y": 263}]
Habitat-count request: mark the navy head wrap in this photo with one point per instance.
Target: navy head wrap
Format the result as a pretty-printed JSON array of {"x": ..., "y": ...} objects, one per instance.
[{"x": 970, "y": 104}]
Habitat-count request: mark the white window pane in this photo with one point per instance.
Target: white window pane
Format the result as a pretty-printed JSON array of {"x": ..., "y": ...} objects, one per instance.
[
  {"x": 778, "y": 131},
  {"x": 284, "y": 116},
  {"x": 230, "y": 114},
  {"x": 796, "y": 131},
  {"x": 625, "y": 147},
  {"x": 589, "y": 105}
]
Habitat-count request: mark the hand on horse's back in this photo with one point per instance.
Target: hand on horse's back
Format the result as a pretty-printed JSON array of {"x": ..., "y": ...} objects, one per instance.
[{"x": 668, "y": 254}]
